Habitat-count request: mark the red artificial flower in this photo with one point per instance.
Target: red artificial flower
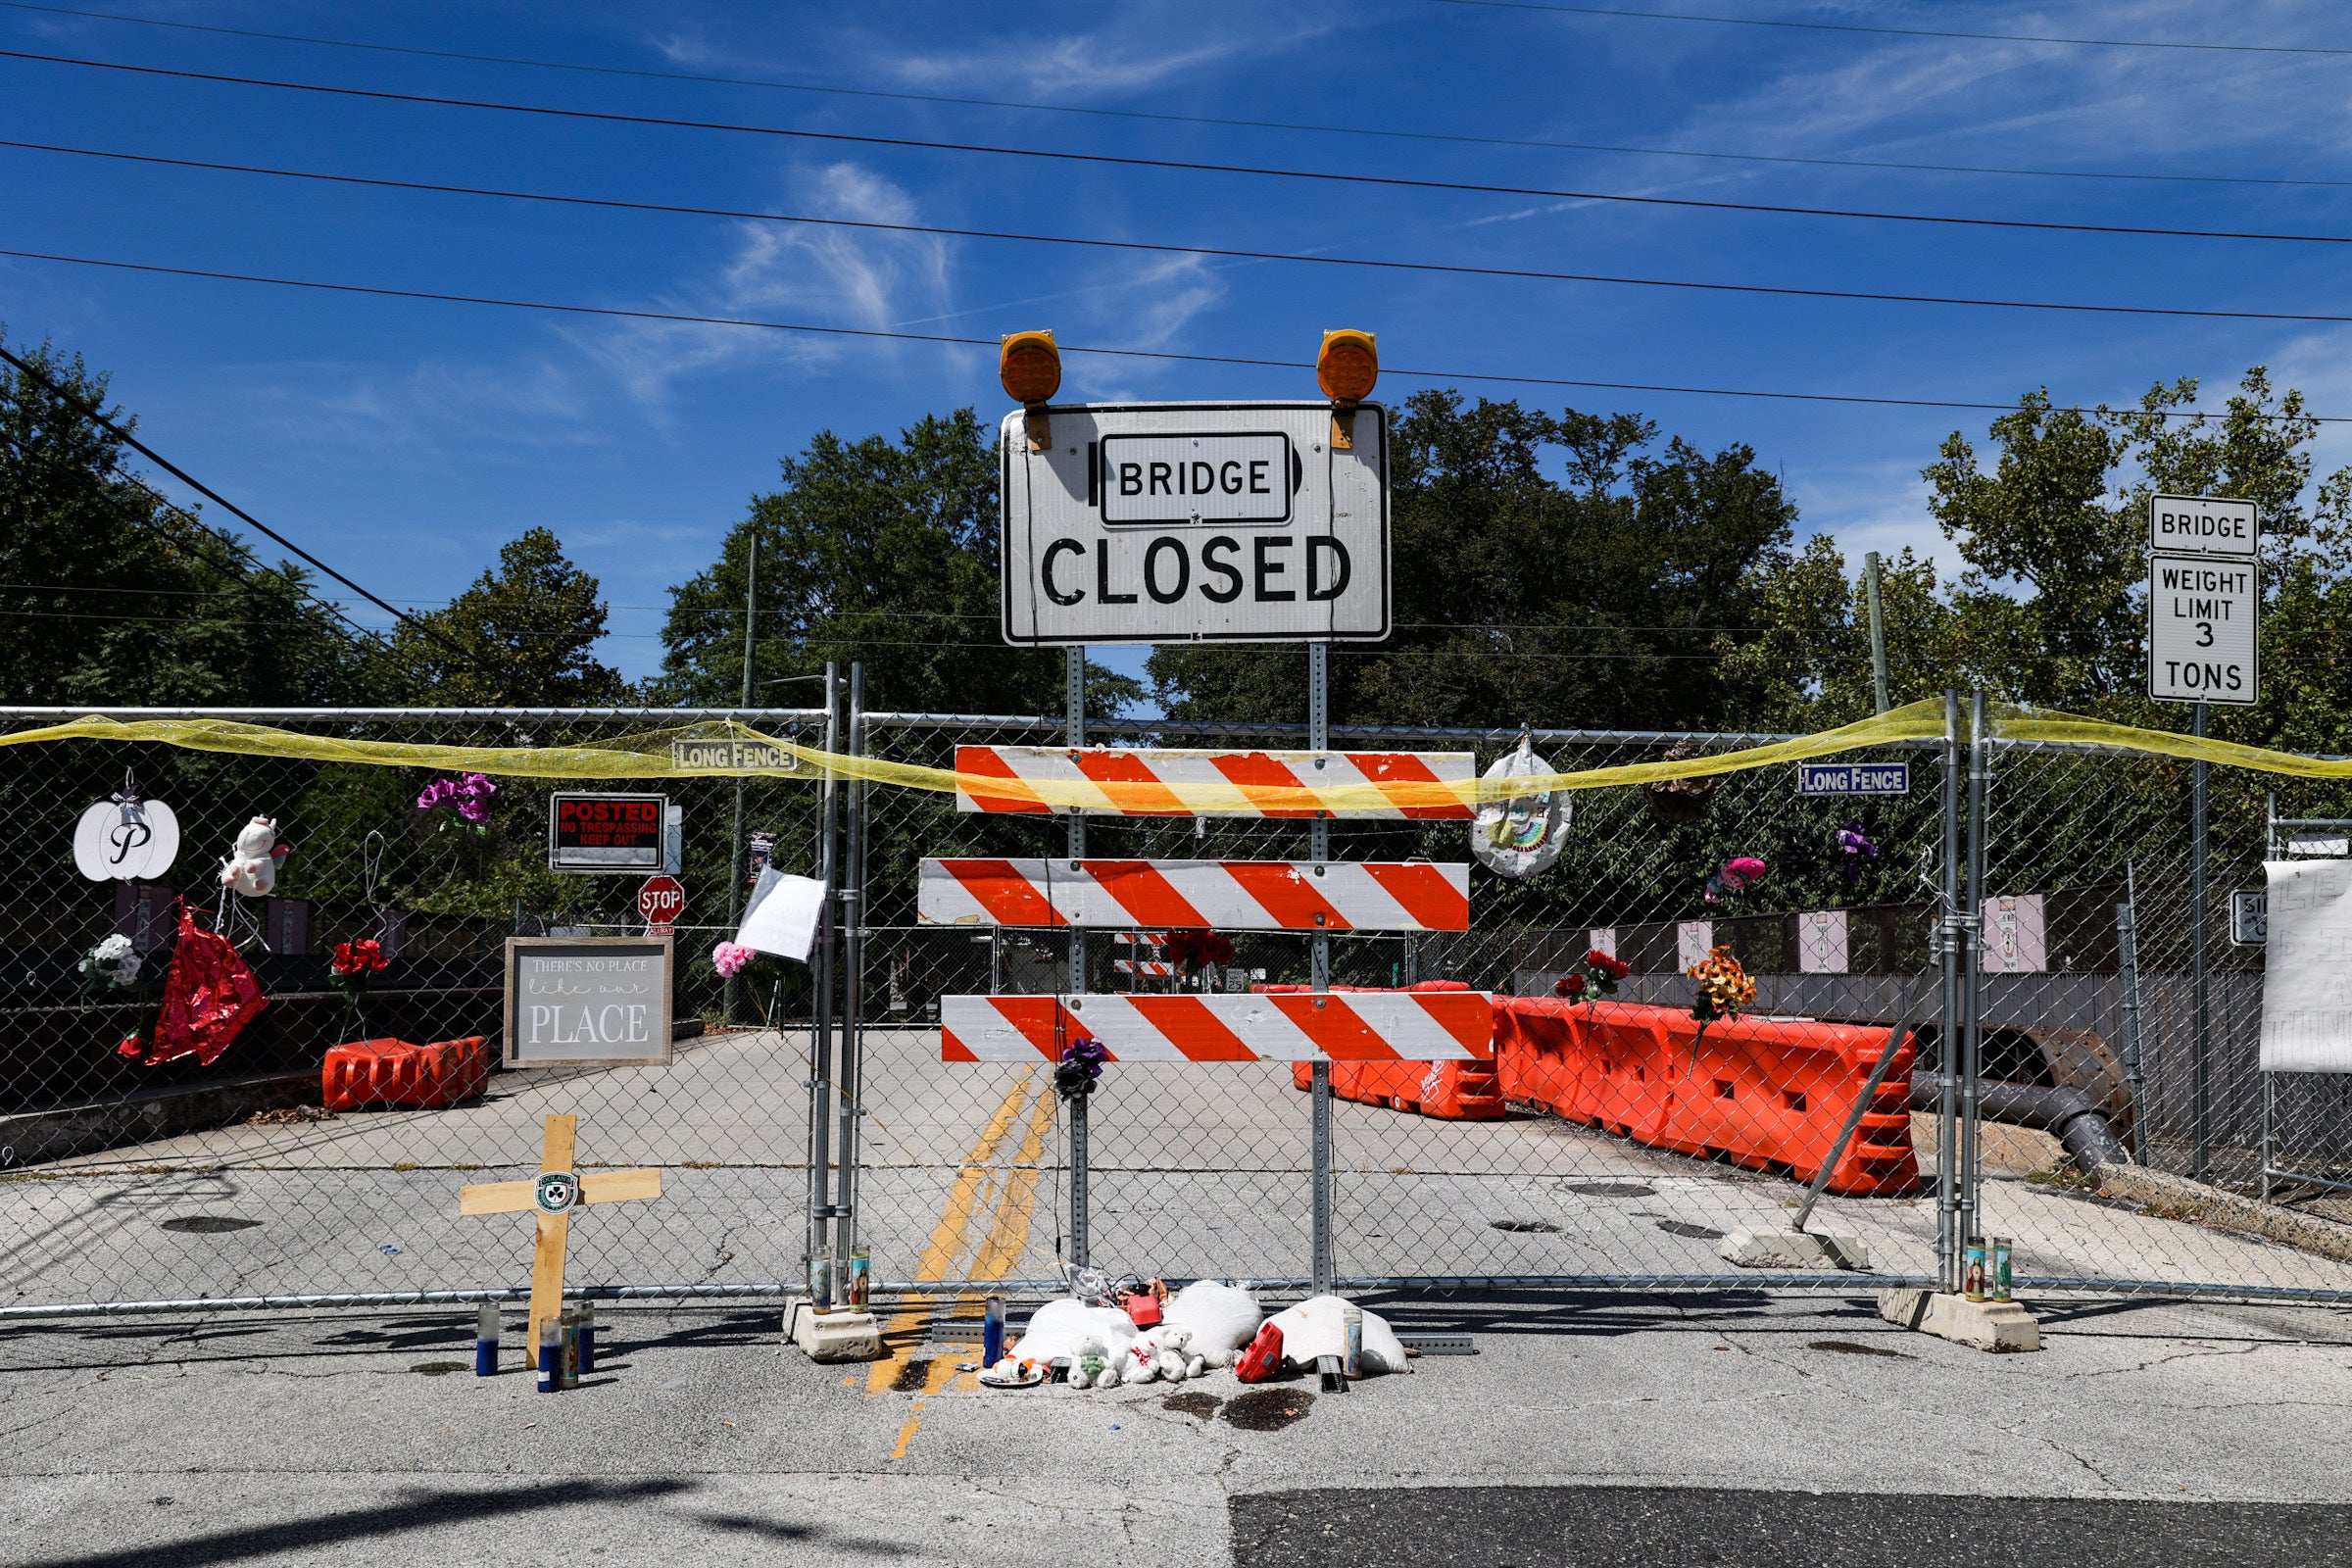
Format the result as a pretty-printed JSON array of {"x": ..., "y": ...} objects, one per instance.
[
  {"x": 1193, "y": 950},
  {"x": 365, "y": 957},
  {"x": 1570, "y": 986},
  {"x": 1614, "y": 967}
]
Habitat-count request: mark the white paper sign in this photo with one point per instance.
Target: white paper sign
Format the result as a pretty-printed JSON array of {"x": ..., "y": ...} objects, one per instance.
[
  {"x": 2307, "y": 969},
  {"x": 782, "y": 917},
  {"x": 1693, "y": 940}
]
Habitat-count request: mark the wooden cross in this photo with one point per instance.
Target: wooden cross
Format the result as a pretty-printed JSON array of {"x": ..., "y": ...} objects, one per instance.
[{"x": 554, "y": 1193}]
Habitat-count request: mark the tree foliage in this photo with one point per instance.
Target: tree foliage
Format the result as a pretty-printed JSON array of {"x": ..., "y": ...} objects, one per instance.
[
  {"x": 117, "y": 597},
  {"x": 873, "y": 551},
  {"x": 1600, "y": 598},
  {"x": 521, "y": 636}
]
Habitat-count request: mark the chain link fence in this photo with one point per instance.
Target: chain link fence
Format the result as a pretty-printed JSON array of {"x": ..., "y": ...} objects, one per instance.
[{"x": 1636, "y": 1145}]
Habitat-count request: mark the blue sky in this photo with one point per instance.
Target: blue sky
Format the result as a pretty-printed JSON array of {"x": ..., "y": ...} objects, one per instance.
[{"x": 403, "y": 441}]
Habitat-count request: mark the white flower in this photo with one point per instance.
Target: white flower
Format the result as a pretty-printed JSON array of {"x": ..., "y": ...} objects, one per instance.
[
  {"x": 113, "y": 948},
  {"x": 127, "y": 970}
]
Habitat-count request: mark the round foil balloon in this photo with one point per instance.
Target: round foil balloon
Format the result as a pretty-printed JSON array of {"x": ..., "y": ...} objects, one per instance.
[
  {"x": 115, "y": 840},
  {"x": 1520, "y": 834}
]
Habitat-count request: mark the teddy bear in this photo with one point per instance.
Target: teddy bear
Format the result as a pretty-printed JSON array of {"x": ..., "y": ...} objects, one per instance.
[{"x": 252, "y": 869}]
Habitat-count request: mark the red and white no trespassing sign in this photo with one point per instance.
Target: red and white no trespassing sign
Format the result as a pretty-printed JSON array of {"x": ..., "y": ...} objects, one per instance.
[
  {"x": 1298, "y": 1026},
  {"x": 1154, "y": 783},
  {"x": 1227, "y": 895}
]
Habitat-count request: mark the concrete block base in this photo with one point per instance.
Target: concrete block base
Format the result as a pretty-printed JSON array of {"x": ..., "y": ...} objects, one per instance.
[
  {"x": 833, "y": 1336},
  {"x": 1981, "y": 1325},
  {"x": 1767, "y": 1249}
]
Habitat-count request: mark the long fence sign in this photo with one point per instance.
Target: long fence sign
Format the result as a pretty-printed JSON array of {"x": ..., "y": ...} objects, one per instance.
[
  {"x": 1227, "y": 895},
  {"x": 1297, "y": 1026},
  {"x": 1117, "y": 781}
]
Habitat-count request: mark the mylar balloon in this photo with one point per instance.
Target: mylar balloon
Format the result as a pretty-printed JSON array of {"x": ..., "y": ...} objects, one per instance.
[{"x": 1520, "y": 835}]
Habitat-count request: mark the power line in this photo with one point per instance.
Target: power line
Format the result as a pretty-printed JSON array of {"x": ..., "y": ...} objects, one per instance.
[
  {"x": 1384, "y": 133},
  {"x": 97, "y": 416},
  {"x": 1120, "y": 161},
  {"x": 1398, "y": 372},
  {"x": 1222, "y": 253},
  {"x": 1897, "y": 33}
]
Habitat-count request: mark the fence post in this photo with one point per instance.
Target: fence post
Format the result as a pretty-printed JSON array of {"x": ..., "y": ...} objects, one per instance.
[
  {"x": 1950, "y": 946},
  {"x": 1972, "y": 1058},
  {"x": 1318, "y": 738},
  {"x": 820, "y": 1025},
  {"x": 853, "y": 990},
  {"x": 1074, "y": 702}
]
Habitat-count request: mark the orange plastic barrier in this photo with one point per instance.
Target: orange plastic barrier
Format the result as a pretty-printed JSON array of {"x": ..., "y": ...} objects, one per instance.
[
  {"x": 394, "y": 1072},
  {"x": 1457, "y": 1091},
  {"x": 1765, "y": 1092}
]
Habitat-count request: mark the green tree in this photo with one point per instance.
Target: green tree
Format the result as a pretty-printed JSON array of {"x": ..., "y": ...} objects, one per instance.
[
  {"x": 2052, "y": 609},
  {"x": 879, "y": 552},
  {"x": 120, "y": 597},
  {"x": 1603, "y": 599},
  {"x": 521, "y": 636},
  {"x": 1809, "y": 666}
]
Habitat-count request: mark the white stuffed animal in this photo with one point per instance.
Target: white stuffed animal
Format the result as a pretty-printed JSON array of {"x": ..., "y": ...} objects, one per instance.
[{"x": 250, "y": 870}]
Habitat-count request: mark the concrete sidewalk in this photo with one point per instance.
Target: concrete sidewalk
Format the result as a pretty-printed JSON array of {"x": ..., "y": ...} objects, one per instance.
[{"x": 365, "y": 1439}]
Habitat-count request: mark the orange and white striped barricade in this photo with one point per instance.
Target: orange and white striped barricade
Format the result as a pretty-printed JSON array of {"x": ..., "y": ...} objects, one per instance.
[
  {"x": 1218, "y": 895},
  {"x": 1115, "y": 781},
  {"x": 1301, "y": 1026}
]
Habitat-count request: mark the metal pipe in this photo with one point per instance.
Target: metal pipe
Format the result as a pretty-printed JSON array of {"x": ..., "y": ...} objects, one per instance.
[
  {"x": 820, "y": 1033},
  {"x": 2127, "y": 942},
  {"x": 1971, "y": 1059},
  {"x": 1878, "y": 629},
  {"x": 2198, "y": 977},
  {"x": 1318, "y": 739},
  {"x": 1840, "y": 1283},
  {"x": 2079, "y": 1121},
  {"x": 1073, "y": 691},
  {"x": 663, "y": 716},
  {"x": 1950, "y": 946},
  {"x": 1862, "y": 1101},
  {"x": 851, "y": 1083}
]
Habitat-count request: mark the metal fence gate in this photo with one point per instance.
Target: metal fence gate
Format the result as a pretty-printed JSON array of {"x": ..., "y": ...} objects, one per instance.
[{"x": 120, "y": 1184}]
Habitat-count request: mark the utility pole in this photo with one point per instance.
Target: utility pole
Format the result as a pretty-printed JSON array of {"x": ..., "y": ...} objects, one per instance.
[
  {"x": 736, "y": 864},
  {"x": 1877, "y": 628}
]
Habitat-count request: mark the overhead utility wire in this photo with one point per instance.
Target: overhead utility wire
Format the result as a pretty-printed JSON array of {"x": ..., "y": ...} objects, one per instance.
[
  {"x": 1301, "y": 258},
  {"x": 1398, "y": 371},
  {"x": 1896, "y": 32},
  {"x": 97, "y": 416},
  {"x": 1189, "y": 165},
  {"x": 1788, "y": 290},
  {"x": 1385, "y": 133}
]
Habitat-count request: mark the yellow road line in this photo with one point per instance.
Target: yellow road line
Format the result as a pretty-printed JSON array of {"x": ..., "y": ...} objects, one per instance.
[
  {"x": 999, "y": 1251},
  {"x": 963, "y": 1204}
]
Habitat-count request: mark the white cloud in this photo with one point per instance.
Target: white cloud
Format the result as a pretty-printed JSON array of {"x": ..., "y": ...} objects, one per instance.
[{"x": 791, "y": 271}]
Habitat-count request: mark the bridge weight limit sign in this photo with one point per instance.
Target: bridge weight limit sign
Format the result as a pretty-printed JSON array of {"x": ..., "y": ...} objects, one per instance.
[{"x": 2204, "y": 599}]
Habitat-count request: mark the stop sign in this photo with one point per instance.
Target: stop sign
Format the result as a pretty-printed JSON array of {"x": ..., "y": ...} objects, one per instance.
[{"x": 661, "y": 901}]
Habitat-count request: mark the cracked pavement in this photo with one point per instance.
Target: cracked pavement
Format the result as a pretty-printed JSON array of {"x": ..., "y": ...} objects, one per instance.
[{"x": 364, "y": 1437}]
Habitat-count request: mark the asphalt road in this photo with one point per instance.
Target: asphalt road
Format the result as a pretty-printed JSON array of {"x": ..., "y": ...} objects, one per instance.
[{"x": 1726, "y": 1430}]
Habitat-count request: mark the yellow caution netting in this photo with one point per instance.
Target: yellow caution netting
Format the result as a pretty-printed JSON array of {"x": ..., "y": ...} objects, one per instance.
[{"x": 727, "y": 749}]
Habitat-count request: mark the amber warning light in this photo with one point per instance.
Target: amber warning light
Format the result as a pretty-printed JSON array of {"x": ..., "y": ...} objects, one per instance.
[
  {"x": 1347, "y": 368},
  {"x": 1030, "y": 368}
]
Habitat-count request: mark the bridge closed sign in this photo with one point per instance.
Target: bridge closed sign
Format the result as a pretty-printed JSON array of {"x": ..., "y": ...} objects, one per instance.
[{"x": 1196, "y": 522}]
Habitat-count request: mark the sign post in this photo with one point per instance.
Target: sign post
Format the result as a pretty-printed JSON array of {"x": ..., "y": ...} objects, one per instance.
[{"x": 2204, "y": 644}]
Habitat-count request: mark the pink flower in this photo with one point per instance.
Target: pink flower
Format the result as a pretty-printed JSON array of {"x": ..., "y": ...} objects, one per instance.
[{"x": 729, "y": 958}]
